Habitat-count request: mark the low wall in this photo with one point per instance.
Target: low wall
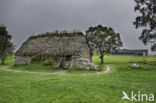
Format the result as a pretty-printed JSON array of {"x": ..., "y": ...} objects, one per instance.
[
  {"x": 75, "y": 62},
  {"x": 20, "y": 60},
  {"x": 83, "y": 63}
]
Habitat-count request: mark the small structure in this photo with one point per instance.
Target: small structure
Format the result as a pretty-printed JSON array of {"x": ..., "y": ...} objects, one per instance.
[
  {"x": 73, "y": 49},
  {"x": 137, "y": 52}
]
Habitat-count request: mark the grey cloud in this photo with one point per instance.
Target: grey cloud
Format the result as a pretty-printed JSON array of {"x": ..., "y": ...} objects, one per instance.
[{"x": 26, "y": 17}]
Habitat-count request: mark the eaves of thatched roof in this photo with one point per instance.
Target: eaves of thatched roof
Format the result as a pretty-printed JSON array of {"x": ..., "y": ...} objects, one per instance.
[{"x": 54, "y": 45}]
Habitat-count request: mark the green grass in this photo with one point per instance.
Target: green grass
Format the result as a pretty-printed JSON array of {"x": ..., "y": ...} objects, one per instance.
[
  {"x": 8, "y": 62},
  {"x": 77, "y": 88},
  {"x": 34, "y": 67}
]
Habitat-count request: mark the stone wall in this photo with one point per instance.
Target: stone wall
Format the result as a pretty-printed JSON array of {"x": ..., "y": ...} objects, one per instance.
[
  {"x": 83, "y": 63},
  {"x": 21, "y": 60},
  {"x": 78, "y": 62}
]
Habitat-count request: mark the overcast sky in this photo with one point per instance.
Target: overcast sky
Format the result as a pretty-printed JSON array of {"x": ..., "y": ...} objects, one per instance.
[{"x": 24, "y": 18}]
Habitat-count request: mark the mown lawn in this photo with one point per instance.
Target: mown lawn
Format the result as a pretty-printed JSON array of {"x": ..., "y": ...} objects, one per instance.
[{"x": 77, "y": 88}]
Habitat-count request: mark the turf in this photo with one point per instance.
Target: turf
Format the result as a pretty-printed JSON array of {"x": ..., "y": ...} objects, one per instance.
[{"x": 77, "y": 88}]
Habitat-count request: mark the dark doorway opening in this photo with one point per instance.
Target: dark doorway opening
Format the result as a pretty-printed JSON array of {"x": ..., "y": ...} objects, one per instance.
[{"x": 68, "y": 57}]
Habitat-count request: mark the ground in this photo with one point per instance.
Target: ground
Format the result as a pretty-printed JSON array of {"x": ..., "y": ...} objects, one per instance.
[{"x": 74, "y": 87}]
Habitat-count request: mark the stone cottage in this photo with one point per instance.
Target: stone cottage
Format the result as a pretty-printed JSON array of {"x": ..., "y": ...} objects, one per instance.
[{"x": 73, "y": 49}]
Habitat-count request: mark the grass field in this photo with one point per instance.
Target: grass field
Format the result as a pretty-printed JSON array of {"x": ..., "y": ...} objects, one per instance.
[{"x": 76, "y": 88}]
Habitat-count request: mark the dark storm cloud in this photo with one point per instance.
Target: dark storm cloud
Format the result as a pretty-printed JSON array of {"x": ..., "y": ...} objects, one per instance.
[{"x": 26, "y": 17}]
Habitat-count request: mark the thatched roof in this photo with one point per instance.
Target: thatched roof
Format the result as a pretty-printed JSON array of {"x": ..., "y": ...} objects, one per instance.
[
  {"x": 58, "y": 34},
  {"x": 52, "y": 44}
]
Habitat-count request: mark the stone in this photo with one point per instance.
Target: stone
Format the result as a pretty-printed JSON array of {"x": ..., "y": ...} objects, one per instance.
[{"x": 134, "y": 65}]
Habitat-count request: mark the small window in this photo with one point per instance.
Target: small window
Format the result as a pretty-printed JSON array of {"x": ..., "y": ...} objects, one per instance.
[{"x": 68, "y": 58}]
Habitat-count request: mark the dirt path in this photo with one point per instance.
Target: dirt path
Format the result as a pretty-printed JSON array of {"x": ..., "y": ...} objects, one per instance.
[
  {"x": 9, "y": 70},
  {"x": 59, "y": 72},
  {"x": 106, "y": 71}
]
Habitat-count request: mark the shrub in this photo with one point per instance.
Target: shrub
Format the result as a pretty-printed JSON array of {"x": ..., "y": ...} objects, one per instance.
[
  {"x": 37, "y": 59},
  {"x": 45, "y": 60},
  {"x": 142, "y": 62}
]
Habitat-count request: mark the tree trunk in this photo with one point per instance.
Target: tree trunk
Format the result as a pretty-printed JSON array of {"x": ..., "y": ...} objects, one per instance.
[
  {"x": 91, "y": 55},
  {"x": 102, "y": 59},
  {"x": 3, "y": 60}
]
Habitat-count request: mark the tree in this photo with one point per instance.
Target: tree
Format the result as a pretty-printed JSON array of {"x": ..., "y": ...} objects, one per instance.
[
  {"x": 147, "y": 21},
  {"x": 105, "y": 39},
  {"x": 6, "y": 46}
]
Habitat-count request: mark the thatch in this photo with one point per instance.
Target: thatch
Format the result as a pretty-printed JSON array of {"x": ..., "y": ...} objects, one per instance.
[
  {"x": 52, "y": 44},
  {"x": 58, "y": 34}
]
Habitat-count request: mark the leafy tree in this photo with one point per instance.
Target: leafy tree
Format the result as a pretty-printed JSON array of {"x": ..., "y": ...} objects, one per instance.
[
  {"x": 146, "y": 20},
  {"x": 6, "y": 46},
  {"x": 105, "y": 39}
]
